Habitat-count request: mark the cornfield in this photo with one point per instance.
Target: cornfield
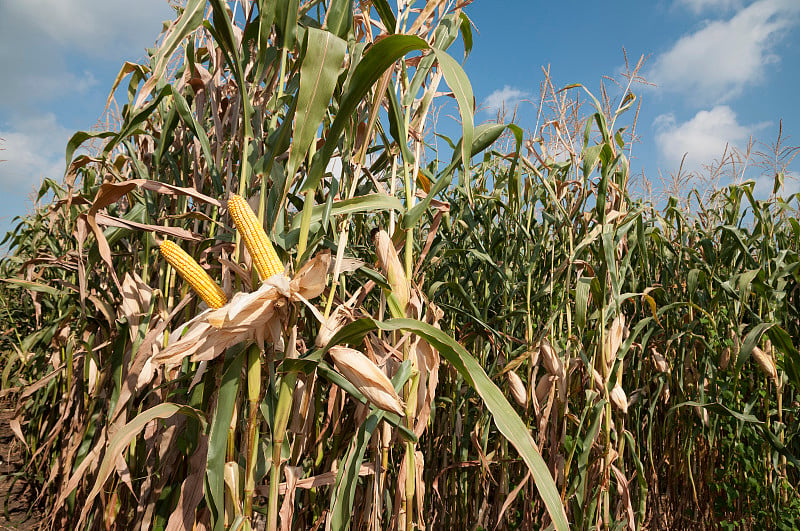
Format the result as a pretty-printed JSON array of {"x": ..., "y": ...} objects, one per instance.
[{"x": 274, "y": 296}]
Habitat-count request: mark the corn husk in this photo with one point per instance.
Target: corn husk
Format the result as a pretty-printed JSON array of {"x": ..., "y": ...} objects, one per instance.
[
  {"x": 309, "y": 281},
  {"x": 766, "y": 363},
  {"x": 614, "y": 339},
  {"x": 598, "y": 379},
  {"x": 518, "y": 390},
  {"x": 543, "y": 388},
  {"x": 618, "y": 398},
  {"x": 303, "y": 405},
  {"x": 736, "y": 346},
  {"x": 725, "y": 358},
  {"x": 552, "y": 363},
  {"x": 331, "y": 325},
  {"x": 248, "y": 316},
  {"x": 362, "y": 372},
  {"x": 659, "y": 362},
  {"x": 390, "y": 263}
]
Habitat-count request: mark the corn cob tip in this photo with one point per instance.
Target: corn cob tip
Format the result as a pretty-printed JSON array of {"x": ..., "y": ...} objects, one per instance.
[
  {"x": 265, "y": 259},
  {"x": 191, "y": 272}
]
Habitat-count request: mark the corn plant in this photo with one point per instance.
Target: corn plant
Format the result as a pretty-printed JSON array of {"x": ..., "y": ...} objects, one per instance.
[
  {"x": 267, "y": 297},
  {"x": 251, "y": 101}
]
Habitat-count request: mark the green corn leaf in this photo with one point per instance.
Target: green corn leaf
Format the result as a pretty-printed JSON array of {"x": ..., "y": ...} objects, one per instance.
[
  {"x": 322, "y": 64},
  {"x": 503, "y": 414},
  {"x": 218, "y": 438}
]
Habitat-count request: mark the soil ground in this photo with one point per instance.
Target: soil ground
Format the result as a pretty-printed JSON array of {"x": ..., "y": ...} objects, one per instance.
[{"x": 16, "y": 495}]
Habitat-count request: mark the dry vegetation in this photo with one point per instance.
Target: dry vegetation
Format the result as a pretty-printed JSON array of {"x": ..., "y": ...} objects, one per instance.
[{"x": 499, "y": 336}]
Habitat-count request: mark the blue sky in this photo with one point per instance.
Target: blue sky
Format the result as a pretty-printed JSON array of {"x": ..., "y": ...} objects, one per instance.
[{"x": 725, "y": 70}]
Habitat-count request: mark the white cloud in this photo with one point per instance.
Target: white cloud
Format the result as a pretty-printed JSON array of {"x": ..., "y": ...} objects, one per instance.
[
  {"x": 31, "y": 149},
  {"x": 507, "y": 96},
  {"x": 764, "y": 185},
  {"x": 44, "y": 38},
  {"x": 698, "y": 6},
  {"x": 97, "y": 27},
  {"x": 716, "y": 62},
  {"x": 702, "y": 138}
]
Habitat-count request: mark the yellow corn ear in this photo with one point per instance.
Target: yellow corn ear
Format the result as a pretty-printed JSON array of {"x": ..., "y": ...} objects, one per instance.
[
  {"x": 195, "y": 275},
  {"x": 265, "y": 259}
]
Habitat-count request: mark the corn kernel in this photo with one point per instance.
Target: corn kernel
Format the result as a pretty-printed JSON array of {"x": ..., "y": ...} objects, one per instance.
[{"x": 192, "y": 273}]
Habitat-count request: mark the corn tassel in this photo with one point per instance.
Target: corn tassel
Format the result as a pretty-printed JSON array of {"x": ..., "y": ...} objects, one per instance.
[
  {"x": 192, "y": 273},
  {"x": 265, "y": 259}
]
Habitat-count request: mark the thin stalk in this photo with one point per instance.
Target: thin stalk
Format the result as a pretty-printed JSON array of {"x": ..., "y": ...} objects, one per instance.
[
  {"x": 253, "y": 398},
  {"x": 282, "y": 414}
]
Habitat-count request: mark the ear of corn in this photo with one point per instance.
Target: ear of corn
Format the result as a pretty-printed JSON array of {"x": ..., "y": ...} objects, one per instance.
[
  {"x": 265, "y": 259},
  {"x": 395, "y": 274},
  {"x": 195, "y": 275},
  {"x": 368, "y": 378},
  {"x": 764, "y": 361},
  {"x": 518, "y": 390}
]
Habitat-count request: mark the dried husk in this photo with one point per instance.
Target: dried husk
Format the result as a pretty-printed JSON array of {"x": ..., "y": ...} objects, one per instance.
[
  {"x": 331, "y": 325},
  {"x": 614, "y": 339},
  {"x": 766, "y": 363},
  {"x": 309, "y": 281},
  {"x": 725, "y": 358},
  {"x": 248, "y": 316},
  {"x": 518, "y": 390},
  {"x": 303, "y": 405},
  {"x": 543, "y": 388},
  {"x": 362, "y": 372},
  {"x": 736, "y": 346},
  {"x": 618, "y": 398},
  {"x": 598, "y": 378},
  {"x": 552, "y": 363},
  {"x": 389, "y": 262},
  {"x": 702, "y": 414},
  {"x": 659, "y": 362}
]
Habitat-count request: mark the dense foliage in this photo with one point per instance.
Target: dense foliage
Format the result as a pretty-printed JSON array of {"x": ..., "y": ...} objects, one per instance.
[{"x": 650, "y": 353}]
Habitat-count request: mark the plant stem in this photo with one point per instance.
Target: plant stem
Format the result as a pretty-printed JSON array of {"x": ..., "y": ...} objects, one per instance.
[
  {"x": 282, "y": 413},
  {"x": 253, "y": 397}
]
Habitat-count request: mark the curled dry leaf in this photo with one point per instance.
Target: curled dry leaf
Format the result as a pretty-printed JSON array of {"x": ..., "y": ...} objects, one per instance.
[
  {"x": 518, "y": 390},
  {"x": 247, "y": 316},
  {"x": 335, "y": 321},
  {"x": 428, "y": 361},
  {"x": 136, "y": 297},
  {"x": 368, "y": 378}
]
